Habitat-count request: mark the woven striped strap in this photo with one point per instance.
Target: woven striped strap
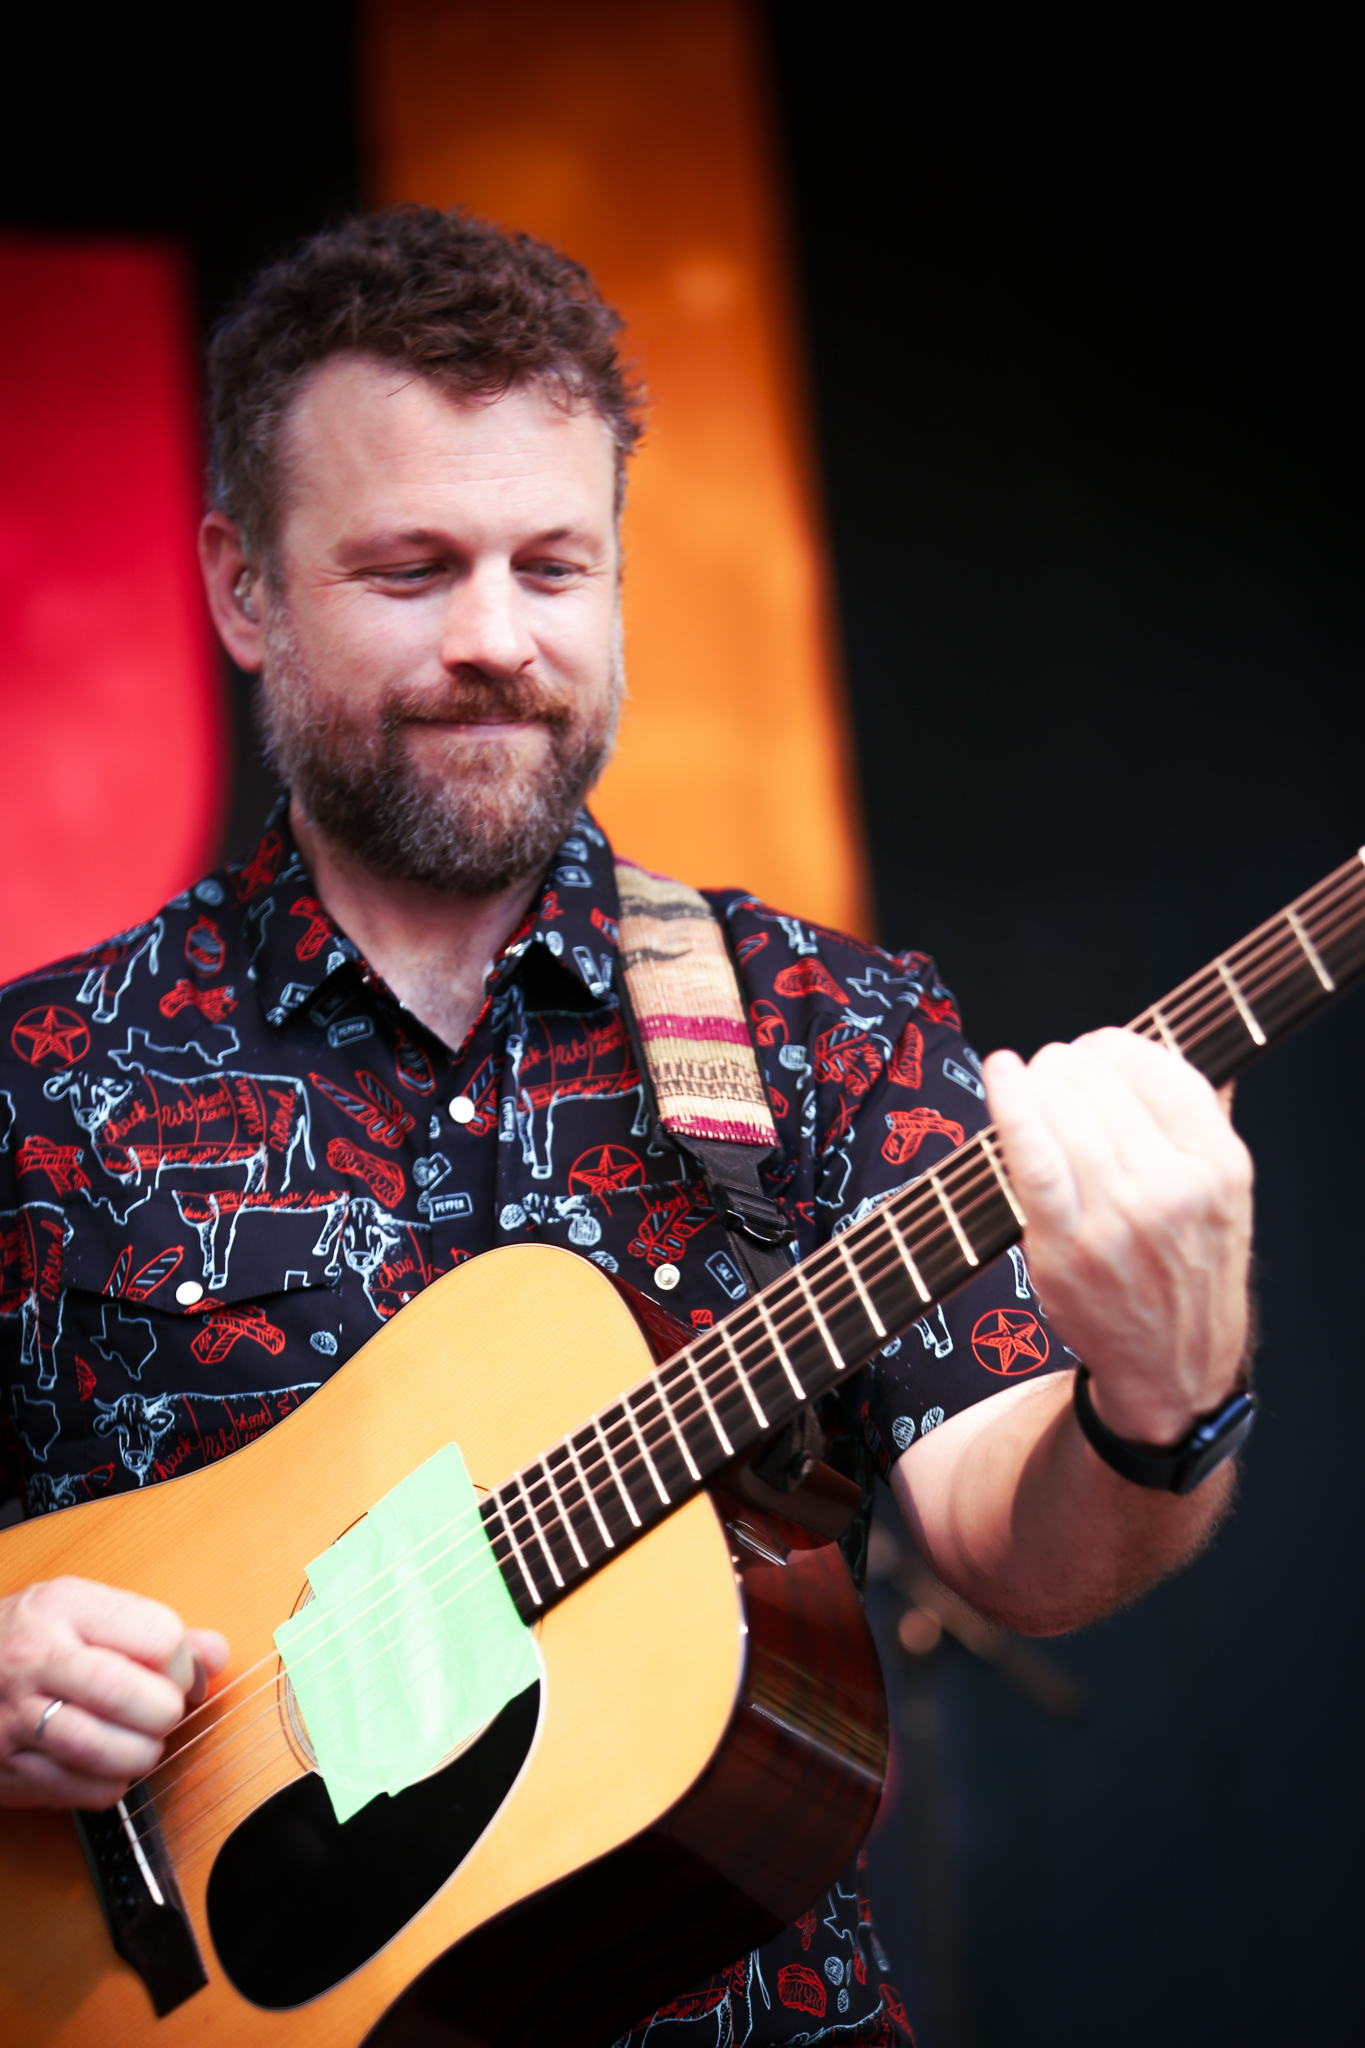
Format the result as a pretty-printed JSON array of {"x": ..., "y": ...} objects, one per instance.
[{"x": 689, "y": 1013}]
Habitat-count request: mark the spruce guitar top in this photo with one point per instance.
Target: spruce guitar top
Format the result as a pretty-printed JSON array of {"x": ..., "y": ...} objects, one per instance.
[{"x": 704, "y": 1745}]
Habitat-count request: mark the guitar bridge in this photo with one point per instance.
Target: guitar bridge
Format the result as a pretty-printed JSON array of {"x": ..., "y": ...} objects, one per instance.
[{"x": 141, "y": 1900}]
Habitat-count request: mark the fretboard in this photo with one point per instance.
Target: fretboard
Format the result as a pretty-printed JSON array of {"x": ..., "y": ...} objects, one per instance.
[{"x": 592, "y": 1493}]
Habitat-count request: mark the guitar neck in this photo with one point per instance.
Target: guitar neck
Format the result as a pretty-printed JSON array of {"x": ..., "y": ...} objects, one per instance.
[{"x": 602, "y": 1486}]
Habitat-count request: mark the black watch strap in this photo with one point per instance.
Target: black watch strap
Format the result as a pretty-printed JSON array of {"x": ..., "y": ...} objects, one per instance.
[{"x": 1180, "y": 1467}]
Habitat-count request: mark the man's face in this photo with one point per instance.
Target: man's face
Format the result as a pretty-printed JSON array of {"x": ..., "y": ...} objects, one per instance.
[{"x": 442, "y": 668}]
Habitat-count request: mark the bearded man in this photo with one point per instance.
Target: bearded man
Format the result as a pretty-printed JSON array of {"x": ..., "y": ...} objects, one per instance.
[{"x": 394, "y": 1037}]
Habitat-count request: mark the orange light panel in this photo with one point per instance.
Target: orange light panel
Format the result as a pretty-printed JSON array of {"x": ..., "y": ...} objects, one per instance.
[{"x": 636, "y": 138}]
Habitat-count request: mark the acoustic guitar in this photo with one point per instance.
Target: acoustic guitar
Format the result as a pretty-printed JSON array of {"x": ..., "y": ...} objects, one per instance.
[{"x": 705, "y": 1746}]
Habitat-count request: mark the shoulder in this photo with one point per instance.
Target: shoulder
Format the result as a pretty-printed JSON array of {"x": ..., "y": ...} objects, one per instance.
[{"x": 801, "y": 979}]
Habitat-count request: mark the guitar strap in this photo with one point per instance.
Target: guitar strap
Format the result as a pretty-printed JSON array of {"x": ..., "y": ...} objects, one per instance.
[{"x": 685, "y": 1014}]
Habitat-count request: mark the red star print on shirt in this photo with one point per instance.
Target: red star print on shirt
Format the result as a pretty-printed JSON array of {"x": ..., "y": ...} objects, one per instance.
[
  {"x": 605, "y": 1170},
  {"x": 1005, "y": 1335},
  {"x": 50, "y": 1034}
]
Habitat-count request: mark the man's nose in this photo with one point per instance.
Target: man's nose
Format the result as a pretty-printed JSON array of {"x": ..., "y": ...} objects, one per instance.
[{"x": 486, "y": 624}]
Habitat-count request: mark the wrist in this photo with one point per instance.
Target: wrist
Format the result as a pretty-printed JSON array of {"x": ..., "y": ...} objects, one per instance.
[{"x": 1177, "y": 1465}]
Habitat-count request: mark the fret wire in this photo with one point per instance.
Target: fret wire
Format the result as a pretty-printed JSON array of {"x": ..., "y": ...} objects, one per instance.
[
  {"x": 620, "y": 1484},
  {"x": 869, "y": 1306},
  {"x": 589, "y": 1494},
  {"x": 1214, "y": 1016},
  {"x": 1271, "y": 933},
  {"x": 712, "y": 1415},
  {"x": 1341, "y": 918},
  {"x": 531, "y": 1586},
  {"x": 761, "y": 1305},
  {"x": 984, "y": 1140},
  {"x": 840, "y": 1362},
  {"x": 564, "y": 1514},
  {"x": 728, "y": 1341},
  {"x": 682, "y": 1442},
  {"x": 958, "y": 1232},
  {"x": 1168, "y": 1037},
  {"x": 1243, "y": 1008},
  {"x": 904, "y": 1250},
  {"x": 832, "y": 1258},
  {"x": 1280, "y": 943},
  {"x": 652, "y": 1468},
  {"x": 539, "y": 1532}
]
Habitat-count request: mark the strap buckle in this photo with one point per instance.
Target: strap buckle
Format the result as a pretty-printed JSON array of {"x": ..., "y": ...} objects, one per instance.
[{"x": 752, "y": 1217}]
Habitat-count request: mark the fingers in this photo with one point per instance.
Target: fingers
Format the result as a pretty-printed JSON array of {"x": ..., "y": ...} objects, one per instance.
[
  {"x": 113, "y": 1688},
  {"x": 30, "y": 1778},
  {"x": 1175, "y": 1095},
  {"x": 1131, "y": 1122},
  {"x": 210, "y": 1654},
  {"x": 1038, "y": 1166},
  {"x": 89, "y": 1746},
  {"x": 139, "y": 1628}
]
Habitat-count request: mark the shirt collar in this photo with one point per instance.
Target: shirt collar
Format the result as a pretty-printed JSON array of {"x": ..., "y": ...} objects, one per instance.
[{"x": 565, "y": 953}]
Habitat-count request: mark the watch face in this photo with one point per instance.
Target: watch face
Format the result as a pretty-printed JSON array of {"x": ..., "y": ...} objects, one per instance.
[{"x": 1220, "y": 1436}]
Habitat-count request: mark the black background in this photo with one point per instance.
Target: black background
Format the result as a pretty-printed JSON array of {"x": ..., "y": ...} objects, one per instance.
[{"x": 1084, "y": 351}]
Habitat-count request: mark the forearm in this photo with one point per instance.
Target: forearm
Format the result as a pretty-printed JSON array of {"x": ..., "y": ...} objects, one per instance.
[{"x": 1013, "y": 1510}]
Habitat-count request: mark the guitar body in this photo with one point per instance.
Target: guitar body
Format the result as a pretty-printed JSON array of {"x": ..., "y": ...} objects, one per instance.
[{"x": 704, "y": 1752}]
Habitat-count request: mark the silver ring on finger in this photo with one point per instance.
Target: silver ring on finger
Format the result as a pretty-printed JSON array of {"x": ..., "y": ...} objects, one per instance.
[{"x": 48, "y": 1711}]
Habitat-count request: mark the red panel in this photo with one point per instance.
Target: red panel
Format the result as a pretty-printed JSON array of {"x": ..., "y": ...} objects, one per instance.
[{"x": 112, "y": 725}]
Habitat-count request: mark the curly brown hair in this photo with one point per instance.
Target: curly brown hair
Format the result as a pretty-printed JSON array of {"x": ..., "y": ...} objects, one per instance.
[{"x": 444, "y": 294}]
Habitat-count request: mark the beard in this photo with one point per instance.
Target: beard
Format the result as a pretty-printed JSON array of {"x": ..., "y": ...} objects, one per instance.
[{"x": 470, "y": 831}]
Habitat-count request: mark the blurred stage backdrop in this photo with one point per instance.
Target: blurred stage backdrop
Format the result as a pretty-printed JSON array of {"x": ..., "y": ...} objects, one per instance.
[{"x": 994, "y": 585}]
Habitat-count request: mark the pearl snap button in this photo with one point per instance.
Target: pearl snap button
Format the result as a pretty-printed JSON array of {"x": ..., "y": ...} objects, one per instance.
[
  {"x": 188, "y": 1292},
  {"x": 462, "y": 1110},
  {"x": 666, "y": 1277}
]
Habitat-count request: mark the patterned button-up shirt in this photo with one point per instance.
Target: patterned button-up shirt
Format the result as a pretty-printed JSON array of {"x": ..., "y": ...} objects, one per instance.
[{"x": 228, "y": 1154}]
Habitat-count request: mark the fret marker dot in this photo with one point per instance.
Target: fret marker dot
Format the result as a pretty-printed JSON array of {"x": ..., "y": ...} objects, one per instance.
[
  {"x": 666, "y": 1277},
  {"x": 188, "y": 1293},
  {"x": 462, "y": 1110}
]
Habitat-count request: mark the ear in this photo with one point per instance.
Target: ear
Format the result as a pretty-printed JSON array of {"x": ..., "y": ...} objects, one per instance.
[{"x": 237, "y": 606}]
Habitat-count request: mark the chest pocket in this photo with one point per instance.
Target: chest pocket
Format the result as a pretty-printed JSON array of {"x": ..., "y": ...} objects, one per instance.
[{"x": 182, "y": 1249}]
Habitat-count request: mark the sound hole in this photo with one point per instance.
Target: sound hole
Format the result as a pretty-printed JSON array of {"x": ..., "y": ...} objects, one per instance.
[{"x": 296, "y": 1901}]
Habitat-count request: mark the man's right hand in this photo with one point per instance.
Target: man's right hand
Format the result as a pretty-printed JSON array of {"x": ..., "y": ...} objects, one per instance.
[{"x": 125, "y": 1669}]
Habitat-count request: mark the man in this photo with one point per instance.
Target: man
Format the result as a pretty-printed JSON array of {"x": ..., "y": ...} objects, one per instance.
[{"x": 247, "y": 1133}]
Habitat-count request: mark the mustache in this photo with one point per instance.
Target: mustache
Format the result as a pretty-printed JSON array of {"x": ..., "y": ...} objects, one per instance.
[{"x": 476, "y": 700}]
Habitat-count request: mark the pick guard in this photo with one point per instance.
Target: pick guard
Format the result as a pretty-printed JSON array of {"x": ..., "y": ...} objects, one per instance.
[{"x": 297, "y": 1901}]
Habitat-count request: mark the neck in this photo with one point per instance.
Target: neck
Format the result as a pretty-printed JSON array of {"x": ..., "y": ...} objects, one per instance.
[{"x": 431, "y": 948}]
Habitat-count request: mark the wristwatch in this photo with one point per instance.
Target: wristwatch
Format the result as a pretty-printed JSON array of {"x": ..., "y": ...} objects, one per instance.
[{"x": 1180, "y": 1467}]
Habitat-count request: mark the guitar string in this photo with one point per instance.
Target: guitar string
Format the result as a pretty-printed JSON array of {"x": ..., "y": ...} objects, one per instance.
[
  {"x": 1208, "y": 986},
  {"x": 218, "y": 1749},
  {"x": 654, "y": 1389},
  {"x": 1335, "y": 900},
  {"x": 1278, "y": 936},
  {"x": 268, "y": 1722},
  {"x": 1346, "y": 884}
]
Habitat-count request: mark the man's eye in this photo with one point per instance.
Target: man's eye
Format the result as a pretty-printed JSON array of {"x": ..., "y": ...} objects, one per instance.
[
  {"x": 550, "y": 572},
  {"x": 421, "y": 572}
]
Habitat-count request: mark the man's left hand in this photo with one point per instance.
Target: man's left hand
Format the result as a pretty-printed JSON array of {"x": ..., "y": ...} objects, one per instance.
[{"x": 1137, "y": 1193}]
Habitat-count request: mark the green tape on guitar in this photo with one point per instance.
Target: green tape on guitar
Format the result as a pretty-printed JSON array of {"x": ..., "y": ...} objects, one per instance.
[{"x": 411, "y": 1642}]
